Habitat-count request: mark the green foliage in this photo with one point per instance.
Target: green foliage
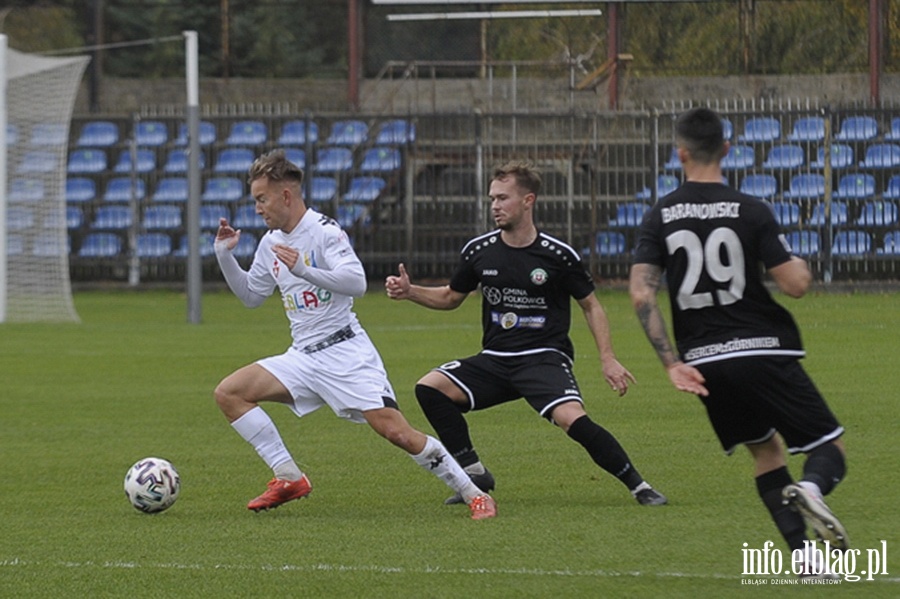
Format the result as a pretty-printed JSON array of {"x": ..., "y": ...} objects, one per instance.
[{"x": 82, "y": 402}]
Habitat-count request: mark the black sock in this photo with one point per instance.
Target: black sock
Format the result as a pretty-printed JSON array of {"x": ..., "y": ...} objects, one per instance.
[
  {"x": 825, "y": 466},
  {"x": 447, "y": 420},
  {"x": 605, "y": 450},
  {"x": 789, "y": 523}
]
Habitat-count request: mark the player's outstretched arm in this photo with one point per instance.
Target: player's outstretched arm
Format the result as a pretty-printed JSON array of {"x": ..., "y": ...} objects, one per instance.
[{"x": 399, "y": 287}]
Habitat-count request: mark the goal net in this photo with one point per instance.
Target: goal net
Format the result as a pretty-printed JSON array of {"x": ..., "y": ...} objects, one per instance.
[{"x": 34, "y": 258}]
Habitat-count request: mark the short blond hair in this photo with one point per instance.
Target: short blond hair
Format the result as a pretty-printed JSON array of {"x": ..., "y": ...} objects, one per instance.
[
  {"x": 524, "y": 172},
  {"x": 276, "y": 166}
]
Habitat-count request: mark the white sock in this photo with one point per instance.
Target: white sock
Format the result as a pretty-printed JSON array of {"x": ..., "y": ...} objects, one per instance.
[
  {"x": 257, "y": 429},
  {"x": 436, "y": 459}
]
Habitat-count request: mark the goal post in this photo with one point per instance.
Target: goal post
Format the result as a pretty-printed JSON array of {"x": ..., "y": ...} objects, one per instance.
[{"x": 36, "y": 104}]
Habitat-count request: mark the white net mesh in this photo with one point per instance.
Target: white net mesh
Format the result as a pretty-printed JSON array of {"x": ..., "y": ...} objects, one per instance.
[{"x": 40, "y": 97}]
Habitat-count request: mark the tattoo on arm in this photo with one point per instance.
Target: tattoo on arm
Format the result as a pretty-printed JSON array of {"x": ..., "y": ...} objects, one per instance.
[{"x": 651, "y": 318}]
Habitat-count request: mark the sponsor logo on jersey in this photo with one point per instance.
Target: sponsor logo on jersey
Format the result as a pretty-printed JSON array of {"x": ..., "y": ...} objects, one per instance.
[
  {"x": 306, "y": 300},
  {"x": 492, "y": 295},
  {"x": 538, "y": 276},
  {"x": 511, "y": 320},
  {"x": 490, "y": 272}
]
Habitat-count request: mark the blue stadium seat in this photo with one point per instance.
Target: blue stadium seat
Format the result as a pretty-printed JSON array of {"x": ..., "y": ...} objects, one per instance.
[
  {"x": 177, "y": 162},
  {"x": 739, "y": 157},
  {"x": 857, "y": 128},
  {"x": 49, "y": 134},
  {"x": 349, "y": 215},
  {"x": 223, "y": 189},
  {"x": 665, "y": 184},
  {"x": 153, "y": 245},
  {"x": 838, "y": 214},
  {"x": 207, "y": 134},
  {"x": 234, "y": 160},
  {"x": 395, "y": 132},
  {"x": 333, "y": 160},
  {"x": 100, "y": 245},
  {"x": 297, "y": 156},
  {"x": 851, "y": 243},
  {"x": 19, "y": 218},
  {"x": 348, "y": 133},
  {"x": 892, "y": 191},
  {"x": 786, "y": 213},
  {"x": 74, "y": 218},
  {"x": 760, "y": 129},
  {"x": 803, "y": 243},
  {"x": 51, "y": 245},
  {"x": 323, "y": 189},
  {"x": 26, "y": 190},
  {"x": 782, "y": 157},
  {"x": 294, "y": 133},
  {"x": 115, "y": 217},
  {"x": 210, "y": 215},
  {"x": 672, "y": 163},
  {"x": 805, "y": 186},
  {"x": 119, "y": 189},
  {"x": 37, "y": 161},
  {"x": 364, "y": 189},
  {"x": 760, "y": 186},
  {"x": 857, "y": 186},
  {"x": 380, "y": 160},
  {"x": 610, "y": 243},
  {"x": 151, "y": 134},
  {"x": 171, "y": 189},
  {"x": 162, "y": 217},
  {"x": 207, "y": 248},
  {"x": 245, "y": 217},
  {"x": 727, "y": 129},
  {"x": 98, "y": 134},
  {"x": 87, "y": 161},
  {"x": 80, "y": 189},
  {"x": 880, "y": 156},
  {"x": 894, "y": 133},
  {"x": 878, "y": 214},
  {"x": 841, "y": 157},
  {"x": 145, "y": 161},
  {"x": 247, "y": 133},
  {"x": 246, "y": 245},
  {"x": 808, "y": 129},
  {"x": 628, "y": 215},
  {"x": 891, "y": 244}
]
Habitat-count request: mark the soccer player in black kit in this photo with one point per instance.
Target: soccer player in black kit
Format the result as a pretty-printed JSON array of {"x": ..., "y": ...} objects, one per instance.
[
  {"x": 527, "y": 281},
  {"x": 738, "y": 349}
]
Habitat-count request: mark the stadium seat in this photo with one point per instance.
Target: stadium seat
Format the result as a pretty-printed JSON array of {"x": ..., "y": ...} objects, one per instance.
[
  {"x": 628, "y": 215},
  {"x": 880, "y": 156},
  {"x": 380, "y": 160},
  {"x": 294, "y": 133},
  {"x": 610, "y": 243},
  {"x": 894, "y": 133},
  {"x": 878, "y": 214},
  {"x": 153, "y": 245},
  {"x": 245, "y": 217},
  {"x": 119, "y": 189},
  {"x": 672, "y": 163},
  {"x": 98, "y": 134},
  {"x": 739, "y": 157},
  {"x": 19, "y": 218},
  {"x": 349, "y": 215},
  {"x": 37, "y": 161},
  {"x": 857, "y": 186},
  {"x": 784, "y": 157},
  {"x": 786, "y": 213},
  {"x": 665, "y": 184},
  {"x": 851, "y": 243},
  {"x": 297, "y": 156},
  {"x": 234, "y": 160},
  {"x": 177, "y": 162},
  {"x": 838, "y": 214},
  {"x": 348, "y": 133},
  {"x": 74, "y": 218},
  {"x": 51, "y": 245},
  {"x": 323, "y": 189},
  {"x": 857, "y": 128},
  {"x": 171, "y": 189},
  {"x": 841, "y": 157},
  {"x": 100, "y": 245},
  {"x": 395, "y": 132},
  {"x": 207, "y": 248},
  {"x": 87, "y": 161},
  {"x": 808, "y": 129},
  {"x": 891, "y": 244},
  {"x": 145, "y": 161},
  {"x": 113, "y": 217},
  {"x": 364, "y": 189},
  {"x": 210, "y": 215},
  {"x": 49, "y": 134},
  {"x": 223, "y": 189},
  {"x": 760, "y": 186},
  {"x": 247, "y": 133},
  {"x": 760, "y": 129},
  {"x": 892, "y": 191},
  {"x": 80, "y": 189},
  {"x": 727, "y": 129},
  {"x": 805, "y": 186},
  {"x": 333, "y": 160},
  {"x": 804, "y": 243},
  {"x": 246, "y": 245},
  {"x": 161, "y": 217},
  {"x": 150, "y": 134},
  {"x": 26, "y": 190},
  {"x": 207, "y": 134}
]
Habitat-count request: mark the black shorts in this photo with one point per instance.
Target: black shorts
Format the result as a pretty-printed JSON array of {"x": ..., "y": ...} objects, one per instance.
[
  {"x": 544, "y": 379},
  {"x": 750, "y": 399}
]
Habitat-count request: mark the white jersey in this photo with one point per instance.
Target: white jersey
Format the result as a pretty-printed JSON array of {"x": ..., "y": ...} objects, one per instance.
[{"x": 314, "y": 313}]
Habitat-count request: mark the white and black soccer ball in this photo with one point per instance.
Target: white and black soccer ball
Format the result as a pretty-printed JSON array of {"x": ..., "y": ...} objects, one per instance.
[{"x": 152, "y": 485}]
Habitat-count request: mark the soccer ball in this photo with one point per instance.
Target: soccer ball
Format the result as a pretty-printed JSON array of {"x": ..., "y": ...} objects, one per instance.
[{"x": 152, "y": 485}]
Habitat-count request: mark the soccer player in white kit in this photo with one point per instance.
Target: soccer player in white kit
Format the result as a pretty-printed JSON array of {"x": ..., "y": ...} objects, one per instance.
[{"x": 331, "y": 361}]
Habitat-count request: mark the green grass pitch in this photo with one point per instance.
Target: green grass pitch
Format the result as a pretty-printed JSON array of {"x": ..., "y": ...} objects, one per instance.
[{"x": 81, "y": 403}]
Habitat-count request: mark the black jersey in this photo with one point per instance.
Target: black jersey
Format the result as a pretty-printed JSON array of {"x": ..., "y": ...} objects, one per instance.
[
  {"x": 712, "y": 241},
  {"x": 526, "y": 292}
]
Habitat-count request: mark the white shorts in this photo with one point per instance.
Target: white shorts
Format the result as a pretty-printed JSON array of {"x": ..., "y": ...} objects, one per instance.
[{"x": 349, "y": 377}]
